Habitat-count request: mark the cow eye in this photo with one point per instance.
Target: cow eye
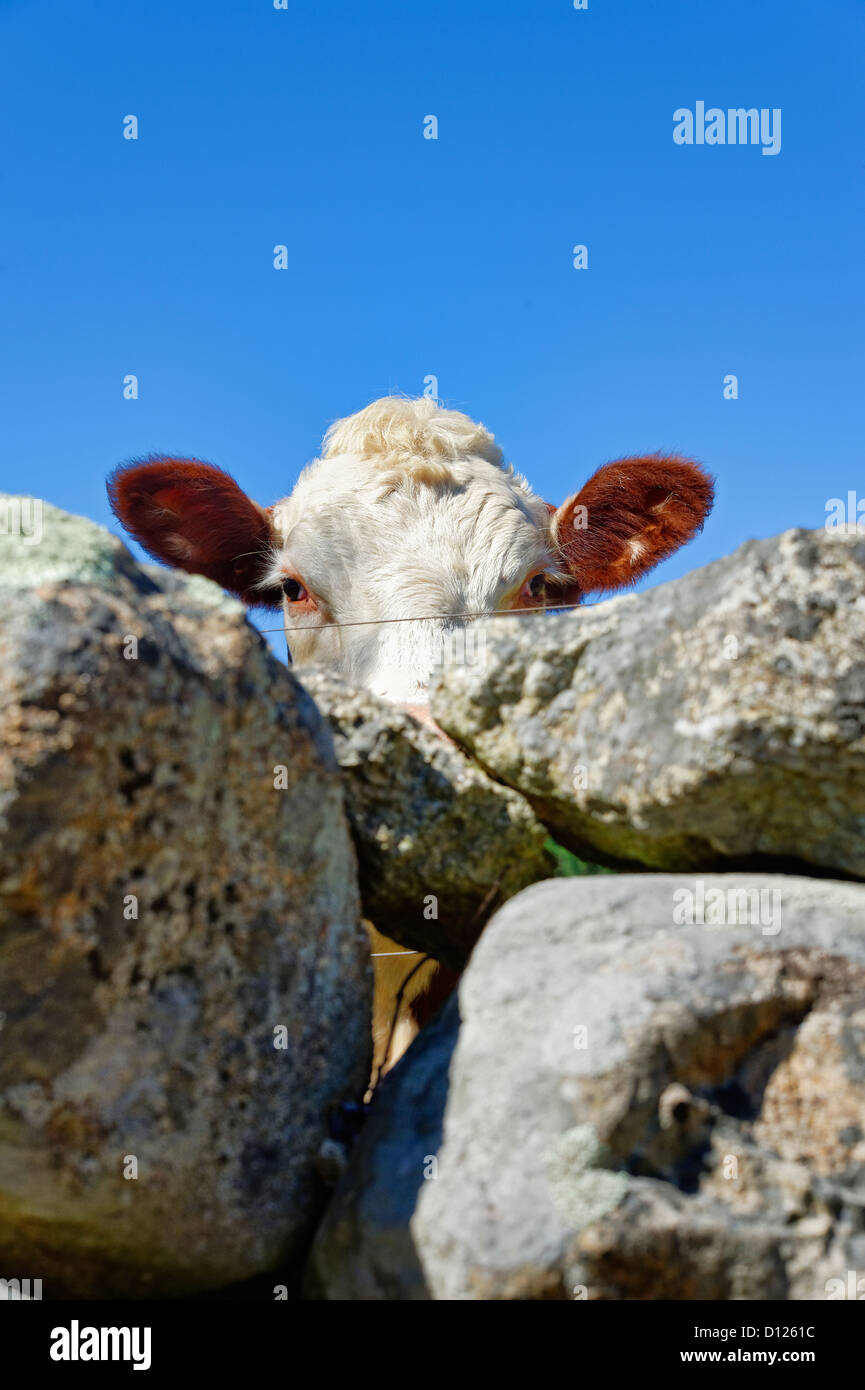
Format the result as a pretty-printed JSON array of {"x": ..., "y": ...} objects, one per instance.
[
  {"x": 533, "y": 591},
  {"x": 294, "y": 590}
]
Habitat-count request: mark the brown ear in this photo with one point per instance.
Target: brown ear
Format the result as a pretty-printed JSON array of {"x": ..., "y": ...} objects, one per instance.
[
  {"x": 195, "y": 517},
  {"x": 629, "y": 516}
]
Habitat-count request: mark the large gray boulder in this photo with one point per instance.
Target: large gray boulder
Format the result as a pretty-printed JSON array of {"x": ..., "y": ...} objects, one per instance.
[
  {"x": 714, "y": 722},
  {"x": 184, "y": 981},
  {"x": 440, "y": 844},
  {"x": 656, "y": 1090}
]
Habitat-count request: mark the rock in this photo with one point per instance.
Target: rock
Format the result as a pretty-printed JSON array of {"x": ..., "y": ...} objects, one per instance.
[
  {"x": 184, "y": 981},
  {"x": 714, "y": 722},
  {"x": 364, "y": 1247},
  {"x": 638, "y": 1106},
  {"x": 440, "y": 845},
  {"x": 702, "y": 1138}
]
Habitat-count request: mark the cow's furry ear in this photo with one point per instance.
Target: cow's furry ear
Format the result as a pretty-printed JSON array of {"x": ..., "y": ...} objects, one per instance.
[
  {"x": 629, "y": 516},
  {"x": 194, "y": 516}
]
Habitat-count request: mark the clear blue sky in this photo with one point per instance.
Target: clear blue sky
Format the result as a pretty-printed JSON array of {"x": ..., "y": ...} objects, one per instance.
[{"x": 411, "y": 257}]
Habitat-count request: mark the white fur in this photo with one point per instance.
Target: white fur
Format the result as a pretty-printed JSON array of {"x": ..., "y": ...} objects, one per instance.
[{"x": 410, "y": 512}]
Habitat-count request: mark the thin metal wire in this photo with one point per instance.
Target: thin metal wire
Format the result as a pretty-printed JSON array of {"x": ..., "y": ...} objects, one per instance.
[{"x": 436, "y": 617}]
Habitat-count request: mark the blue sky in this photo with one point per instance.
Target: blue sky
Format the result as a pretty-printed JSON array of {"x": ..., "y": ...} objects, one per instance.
[{"x": 451, "y": 257}]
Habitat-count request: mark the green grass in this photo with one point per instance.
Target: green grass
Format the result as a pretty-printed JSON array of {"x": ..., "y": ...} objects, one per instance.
[{"x": 569, "y": 866}]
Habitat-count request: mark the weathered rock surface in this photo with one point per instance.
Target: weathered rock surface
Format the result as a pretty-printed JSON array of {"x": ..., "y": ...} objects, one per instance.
[
  {"x": 638, "y": 1105},
  {"x": 164, "y": 911},
  {"x": 440, "y": 845},
  {"x": 364, "y": 1247},
  {"x": 714, "y": 722}
]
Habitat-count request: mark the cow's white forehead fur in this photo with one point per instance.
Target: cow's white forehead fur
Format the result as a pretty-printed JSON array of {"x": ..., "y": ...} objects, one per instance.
[{"x": 410, "y": 512}]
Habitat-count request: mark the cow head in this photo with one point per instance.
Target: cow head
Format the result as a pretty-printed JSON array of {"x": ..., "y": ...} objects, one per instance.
[{"x": 408, "y": 523}]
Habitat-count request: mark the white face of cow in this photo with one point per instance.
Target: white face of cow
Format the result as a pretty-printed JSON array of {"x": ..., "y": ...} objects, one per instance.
[
  {"x": 416, "y": 520},
  {"x": 408, "y": 523}
]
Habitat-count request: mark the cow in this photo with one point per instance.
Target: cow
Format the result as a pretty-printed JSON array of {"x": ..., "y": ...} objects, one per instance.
[{"x": 411, "y": 514}]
